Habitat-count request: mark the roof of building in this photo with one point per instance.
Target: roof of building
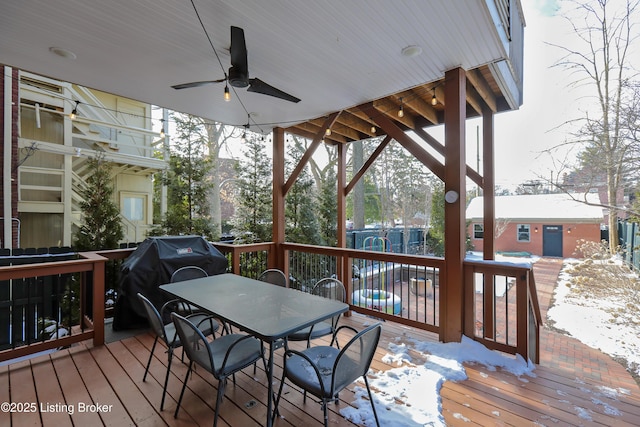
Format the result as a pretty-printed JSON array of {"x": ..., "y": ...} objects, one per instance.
[{"x": 568, "y": 207}]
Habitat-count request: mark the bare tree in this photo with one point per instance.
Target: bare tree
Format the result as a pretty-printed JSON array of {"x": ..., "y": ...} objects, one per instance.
[
  {"x": 605, "y": 32},
  {"x": 217, "y": 136}
]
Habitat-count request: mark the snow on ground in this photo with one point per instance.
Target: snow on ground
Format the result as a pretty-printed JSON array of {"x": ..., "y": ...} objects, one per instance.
[{"x": 594, "y": 322}]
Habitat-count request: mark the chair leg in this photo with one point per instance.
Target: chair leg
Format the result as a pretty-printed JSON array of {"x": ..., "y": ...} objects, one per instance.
[
  {"x": 184, "y": 386},
  {"x": 373, "y": 406},
  {"x": 277, "y": 401},
  {"x": 324, "y": 410},
  {"x": 221, "y": 384},
  {"x": 153, "y": 347},
  {"x": 166, "y": 377}
]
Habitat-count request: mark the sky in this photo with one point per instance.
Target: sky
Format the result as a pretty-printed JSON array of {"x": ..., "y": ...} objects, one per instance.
[
  {"x": 551, "y": 98},
  {"x": 522, "y": 136}
]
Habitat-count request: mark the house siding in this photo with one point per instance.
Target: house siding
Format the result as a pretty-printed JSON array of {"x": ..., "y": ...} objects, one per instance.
[
  {"x": 572, "y": 234},
  {"x": 50, "y": 153},
  {"x": 14, "y": 154}
]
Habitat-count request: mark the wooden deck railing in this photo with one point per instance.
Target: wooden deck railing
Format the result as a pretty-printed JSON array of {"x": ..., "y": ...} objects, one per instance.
[
  {"x": 501, "y": 306},
  {"x": 247, "y": 260},
  {"x": 501, "y": 303},
  {"x": 378, "y": 283}
]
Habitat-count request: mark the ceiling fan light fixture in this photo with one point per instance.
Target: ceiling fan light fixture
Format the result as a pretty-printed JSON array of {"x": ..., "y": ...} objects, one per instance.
[{"x": 238, "y": 74}]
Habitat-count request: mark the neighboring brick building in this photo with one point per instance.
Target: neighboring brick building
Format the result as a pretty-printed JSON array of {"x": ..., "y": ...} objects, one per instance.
[{"x": 545, "y": 224}]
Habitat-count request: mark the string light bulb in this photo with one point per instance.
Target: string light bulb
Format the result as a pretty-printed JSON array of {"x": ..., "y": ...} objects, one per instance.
[
  {"x": 227, "y": 94},
  {"x": 74, "y": 112},
  {"x": 327, "y": 132},
  {"x": 401, "y": 111},
  {"x": 373, "y": 129},
  {"x": 434, "y": 101},
  {"x": 162, "y": 134}
]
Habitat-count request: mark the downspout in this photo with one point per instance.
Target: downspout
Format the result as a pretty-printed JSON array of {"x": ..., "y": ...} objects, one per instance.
[{"x": 6, "y": 166}]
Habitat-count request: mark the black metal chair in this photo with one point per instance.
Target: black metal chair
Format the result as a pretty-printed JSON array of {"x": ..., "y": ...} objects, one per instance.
[
  {"x": 222, "y": 357},
  {"x": 167, "y": 333},
  {"x": 324, "y": 371},
  {"x": 331, "y": 288},
  {"x": 273, "y": 276},
  {"x": 186, "y": 273}
]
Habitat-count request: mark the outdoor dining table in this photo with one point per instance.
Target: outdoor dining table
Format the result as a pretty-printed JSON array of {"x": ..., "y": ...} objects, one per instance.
[{"x": 261, "y": 309}]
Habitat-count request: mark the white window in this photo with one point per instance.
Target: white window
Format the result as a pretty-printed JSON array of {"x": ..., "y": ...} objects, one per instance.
[
  {"x": 524, "y": 233},
  {"x": 478, "y": 231},
  {"x": 133, "y": 207}
]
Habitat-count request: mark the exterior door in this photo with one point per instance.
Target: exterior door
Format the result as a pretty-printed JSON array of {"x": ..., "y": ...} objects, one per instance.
[{"x": 552, "y": 240}]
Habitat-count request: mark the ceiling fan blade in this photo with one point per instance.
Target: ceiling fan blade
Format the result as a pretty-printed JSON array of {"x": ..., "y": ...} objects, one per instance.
[
  {"x": 239, "y": 51},
  {"x": 258, "y": 86},
  {"x": 196, "y": 84}
]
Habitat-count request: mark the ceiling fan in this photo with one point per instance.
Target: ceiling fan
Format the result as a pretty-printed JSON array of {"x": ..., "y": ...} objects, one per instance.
[{"x": 238, "y": 75}]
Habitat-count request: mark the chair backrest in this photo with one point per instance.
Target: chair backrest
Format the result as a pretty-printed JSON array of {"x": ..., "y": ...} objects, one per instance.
[
  {"x": 154, "y": 318},
  {"x": 354, "y": 359},
  {"x": 188, "y": 272},
  {"x": 331, "y": 288},
  {"x": 193, "y": 342},
  {"x": 274, "y": 276}
]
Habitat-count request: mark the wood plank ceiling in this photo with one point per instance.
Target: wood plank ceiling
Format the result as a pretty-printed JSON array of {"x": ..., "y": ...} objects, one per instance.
[
  {"x": 332, "y": 54},
  {"x": 422, "y": 107}
]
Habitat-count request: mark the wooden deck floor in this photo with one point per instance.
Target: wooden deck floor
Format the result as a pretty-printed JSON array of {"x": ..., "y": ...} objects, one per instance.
[{"x": 111, "y": 377}]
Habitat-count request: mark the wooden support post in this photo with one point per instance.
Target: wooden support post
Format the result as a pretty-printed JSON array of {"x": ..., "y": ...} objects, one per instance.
[
  {"x": 98, "y": 301},
  {"x": 342, "y": 196},
  {"x": 488, "y": 187},
  {"x": 451, "y": 294},
  {"x": 277, "y": 257},
  {"x": 522, "y": 316}
]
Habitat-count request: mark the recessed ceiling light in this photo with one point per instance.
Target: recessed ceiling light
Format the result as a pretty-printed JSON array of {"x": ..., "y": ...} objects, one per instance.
[
  {"x": 411, "y": 51},
  {"x": 65, "y": 53}
]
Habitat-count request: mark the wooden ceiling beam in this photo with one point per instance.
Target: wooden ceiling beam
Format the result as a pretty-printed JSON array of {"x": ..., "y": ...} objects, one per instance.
[
  {"x": 298, "y": 131},
  {"x": 483, "y": 89},
  {"x": 403, "y": 139},
  {"x": 317, "y": 140},
  {"x": 372, "y": 158},
  {"x": 347, "y": 118},
  {"x": 413, "y": 99},
  {"x": 348, "y": 131},
  {"x": 390, "y": 109},
  {"x": 473, "y": 99},
  {"x": 439, "y": 147},
  {"x": 309, "y": 130}
]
